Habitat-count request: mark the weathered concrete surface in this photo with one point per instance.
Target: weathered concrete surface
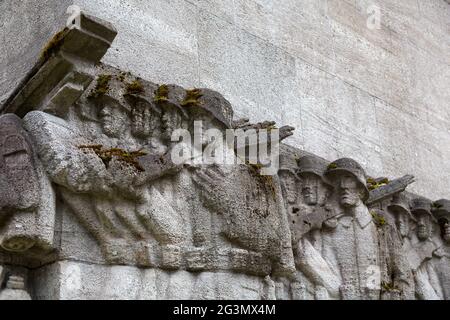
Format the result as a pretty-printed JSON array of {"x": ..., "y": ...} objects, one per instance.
[
  {"x": 25, "y": 27},
  {"x": 74, "y": 280},
  {"x": 379, "y": 96}
]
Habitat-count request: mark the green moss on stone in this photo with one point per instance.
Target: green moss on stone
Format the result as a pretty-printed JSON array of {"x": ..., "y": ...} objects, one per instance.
[
  {"x": 52, "y": 47},
  {"x": 135, "y": 87},
  {"x": 106, "y": 155},
  {"x": 192, "y": 98},
  {"x": 102, "y": 86},
  {"x": 379, "y": 220},
  {"x": 161, "y": 93}
]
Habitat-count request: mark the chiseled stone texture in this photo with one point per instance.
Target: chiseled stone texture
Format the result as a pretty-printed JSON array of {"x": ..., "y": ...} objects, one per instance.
[
  {"x": 69, "y": 280},
  {"x": 313, "y": 64}
]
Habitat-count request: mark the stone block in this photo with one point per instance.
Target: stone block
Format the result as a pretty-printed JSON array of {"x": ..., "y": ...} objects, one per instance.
[{"x": 68, "y": 280}]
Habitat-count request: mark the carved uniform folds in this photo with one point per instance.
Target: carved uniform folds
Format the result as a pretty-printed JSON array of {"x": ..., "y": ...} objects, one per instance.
[
  {"x": 108, "y": 202},
  {"x": 19, "y": 186}
]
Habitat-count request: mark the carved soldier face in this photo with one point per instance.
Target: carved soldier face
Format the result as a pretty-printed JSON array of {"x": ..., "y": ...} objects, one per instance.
[
  {"x": 423, "y": 226},
  {"x": 143, "y": 121},
  {"x": 445, "y": 226},
  {"x": 113, "y": 120},
  {"x": 402, "y": 222},
  {"x": 350, "y": 191},
  {"x": 207, "y": 122},
  {"x": 289, "y": 183},
  {"x": 171, "y": 120},
  {"x": 314, "y": 190}
]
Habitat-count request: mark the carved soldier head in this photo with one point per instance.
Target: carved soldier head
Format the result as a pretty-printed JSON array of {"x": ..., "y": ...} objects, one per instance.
[
  {"x": 211, "y": 108},
  {"x": 173, "y": 115},
  {"x": 288, "y": 176},
  {"x": 145, "y": 116},
  {"x": 315, "y": 190},
  {"x": 421, "y": 210},
  {"x": 113, "y": 117},
  {"x": 441, "y": 212},
  {"x": 399, "y": 207},
  {"x": 172, "y": 119},
  {"x": 350, "y": 180}
]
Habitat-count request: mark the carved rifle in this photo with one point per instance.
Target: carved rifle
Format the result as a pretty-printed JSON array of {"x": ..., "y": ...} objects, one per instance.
[{"x": 391, "y": 188}]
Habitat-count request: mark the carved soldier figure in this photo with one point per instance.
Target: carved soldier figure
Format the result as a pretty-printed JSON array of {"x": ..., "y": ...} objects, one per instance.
[
  {"x": 397, "y": 281},
  {"x": 210, "y": 111},
  {"x": 315, "y": 191},
  {"x": 307, "y": 225},
  {"x": 441, "y": 256},
  {"x": 422, "y": 248},
  {"x": 19, "y": 187},
  {"x": 351, "y": 248},
  {"x": 399, "y": 207},
  {"x": 301, "y": 288},
  {"x": 289, "y": 180},
  {"x": 243, "y": 199}
]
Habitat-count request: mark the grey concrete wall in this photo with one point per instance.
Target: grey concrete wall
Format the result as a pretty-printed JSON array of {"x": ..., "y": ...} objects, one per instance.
[
  {"x": 380, "y": 96},
  {"x": 25, "y": 28}
]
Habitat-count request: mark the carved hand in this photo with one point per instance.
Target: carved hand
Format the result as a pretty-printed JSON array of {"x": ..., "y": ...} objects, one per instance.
[
  {"x": 212, "y": 182},
  {"x": 156, "y": 166}
]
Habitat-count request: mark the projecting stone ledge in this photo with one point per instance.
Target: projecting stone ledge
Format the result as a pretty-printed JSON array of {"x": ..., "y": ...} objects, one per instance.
[{"x": 64, "y": 69}]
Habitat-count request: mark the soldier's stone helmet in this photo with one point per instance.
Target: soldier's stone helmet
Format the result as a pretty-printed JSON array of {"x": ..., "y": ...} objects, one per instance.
[
  {"x": 421, "y": 205},
  {"x": 135, "y": 99},
  {"x": 441, "y": 210},
  {"x": 349, "y": 166},
  {"x": 400, "y": 203},
  {"x": 169, "y": 97},
  {"x": 110, "y": 101},
  {"x": 210, "y": 101},
  {"x": 313, "y": 165}
]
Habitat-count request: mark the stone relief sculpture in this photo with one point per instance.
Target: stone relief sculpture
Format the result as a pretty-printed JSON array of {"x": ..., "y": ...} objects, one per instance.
[
  {"x": 101, "y": 169},
  {"x": 15, "y": 290},
  {"x": 25, "y": 221},
  {"x": 422, "y": 247},
  {"x": 397, "y": 278},
  {"x": 440, "y": 260},
  {"x": 350, "y": 247}
]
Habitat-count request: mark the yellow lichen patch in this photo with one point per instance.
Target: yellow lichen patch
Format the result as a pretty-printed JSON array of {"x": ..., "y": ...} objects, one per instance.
[
  {"x": 332, "y": 166},
  {"x": 102, "y": 86},
  {"x": 54, "y": 44},
  {"x": 378, "y": 219},
  {"x": 106, "y": 155},
  {"x": 373, "y": 184},
  {"x": 266, "y": 180},
  {"x": 161, "y": 93},
  {"x": 191, "y": 98},
  {"x": 135, "y": 87},
  {"x": 389, "y": 287}
]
